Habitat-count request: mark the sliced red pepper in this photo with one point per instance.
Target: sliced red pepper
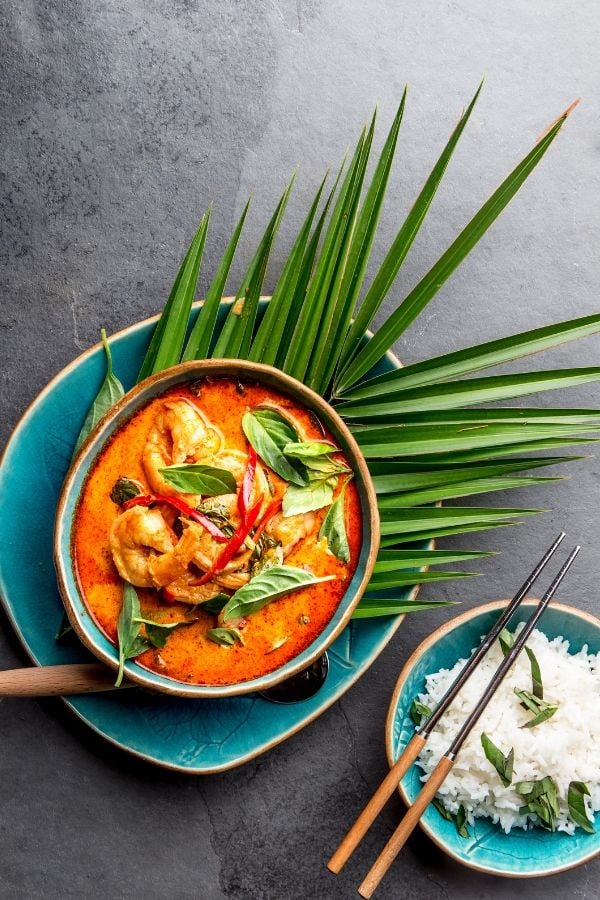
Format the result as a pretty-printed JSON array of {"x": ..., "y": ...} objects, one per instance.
[
  {"x": 235, "y": 542},
  {"x": 193, "y": 514},
  {"x": 247, "y": 483}
]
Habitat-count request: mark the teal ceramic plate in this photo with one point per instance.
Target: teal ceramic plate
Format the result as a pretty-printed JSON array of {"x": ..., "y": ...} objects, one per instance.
[
  {"x": 196, "y": 736},
  {"x": 520, "y": 854}
]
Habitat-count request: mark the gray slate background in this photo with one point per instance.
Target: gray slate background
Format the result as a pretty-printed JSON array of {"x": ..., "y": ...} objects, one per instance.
[{"x": 120, "y": 123}]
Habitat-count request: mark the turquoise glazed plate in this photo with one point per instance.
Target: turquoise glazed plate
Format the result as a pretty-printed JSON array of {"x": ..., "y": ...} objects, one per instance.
[
  {"x": 198, "y": 736},
  {"x": 520, "y": 854}
]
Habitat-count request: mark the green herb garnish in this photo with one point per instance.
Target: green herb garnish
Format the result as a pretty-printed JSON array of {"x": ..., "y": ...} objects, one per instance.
[
  {"x": 461, "y": 822},
  {"x": 419, "y": 711},
  {"x": 578, "y": 813},
  {"x": 128, "y": 629},
  {"x": 215, "y": 604},
  {"x": 316, "y": 494},
  {"x": 266, "y": 587},
  {"x": 269, "y": 433},
  {"x": 124, "y": 489},
  {"x": 504, "y": 765},
  {"x": 226, "y": 637},
  {"x": 506, "y": 641},
  {"x": 110, "y": 391},
  {"x": 542, "y": 709},
  {"x": 536, "y": 675},
  {"x": 541, "y": 799},
  {"x": 333, "y": 528},
  {"x": 198, "y": 479},
  {"x": 446, "y": 814},
  {"x": 158, "y": 633}
]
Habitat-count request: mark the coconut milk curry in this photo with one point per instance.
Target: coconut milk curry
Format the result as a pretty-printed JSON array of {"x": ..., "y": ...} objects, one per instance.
[{"x": 217, "y": 532}]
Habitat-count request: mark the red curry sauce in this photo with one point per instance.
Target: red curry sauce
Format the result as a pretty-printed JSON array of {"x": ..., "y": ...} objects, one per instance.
[{"x": 189, "y": 656}]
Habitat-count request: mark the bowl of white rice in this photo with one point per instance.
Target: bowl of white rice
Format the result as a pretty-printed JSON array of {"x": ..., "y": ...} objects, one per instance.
[{"x": 523, "y": 798}]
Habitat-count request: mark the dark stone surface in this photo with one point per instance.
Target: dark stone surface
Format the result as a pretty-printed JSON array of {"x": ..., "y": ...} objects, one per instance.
[{"x": 120, "y": 123}]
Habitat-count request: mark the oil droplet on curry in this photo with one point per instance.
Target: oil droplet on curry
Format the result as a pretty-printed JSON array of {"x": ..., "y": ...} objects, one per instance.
[{"x": 235, "y": 518}]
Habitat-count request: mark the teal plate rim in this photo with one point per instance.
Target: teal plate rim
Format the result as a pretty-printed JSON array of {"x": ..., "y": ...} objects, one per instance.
[
  {"x": 564, "y": 851},
  {"x": 195, "y": 736}
]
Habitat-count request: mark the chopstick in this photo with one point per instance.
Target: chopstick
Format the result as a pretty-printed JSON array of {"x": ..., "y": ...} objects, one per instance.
[
  {"x": 417, "y": 742},
  {"x": 439, "y": 774}
]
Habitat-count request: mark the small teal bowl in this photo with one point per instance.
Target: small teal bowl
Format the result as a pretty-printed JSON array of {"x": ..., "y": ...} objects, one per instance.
[
  {"x": 519, "y": 854},
  {"x": 81, "y": 620}
]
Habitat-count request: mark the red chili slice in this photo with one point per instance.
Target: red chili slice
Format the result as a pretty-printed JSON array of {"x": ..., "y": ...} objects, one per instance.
[
  {"x": 247, "y": 483},
  {"x": 193, "y": 514}
]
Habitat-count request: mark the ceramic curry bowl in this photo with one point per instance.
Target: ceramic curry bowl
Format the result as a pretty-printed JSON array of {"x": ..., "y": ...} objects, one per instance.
[{"x": 84, "y": 605}]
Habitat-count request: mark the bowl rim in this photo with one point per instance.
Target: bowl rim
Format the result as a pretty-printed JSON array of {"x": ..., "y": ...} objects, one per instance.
[
  {"x": 407, "y": 668},
  {"x": 218, "y": 367}
]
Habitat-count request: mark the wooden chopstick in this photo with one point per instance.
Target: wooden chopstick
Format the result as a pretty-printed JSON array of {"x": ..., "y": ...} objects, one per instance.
[
  {"x": 439, "y": 774},
  {"x": 417, "y": 742}
]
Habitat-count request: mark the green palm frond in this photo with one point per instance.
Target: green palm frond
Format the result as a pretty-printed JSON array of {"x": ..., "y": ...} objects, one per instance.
[{"x": 424, "y": 429}]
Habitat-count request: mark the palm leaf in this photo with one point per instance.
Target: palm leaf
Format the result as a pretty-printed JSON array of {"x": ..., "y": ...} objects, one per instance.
[
  {"x": 418, "y": 537},
  {"x": 298, "y": 354},
  {"x": 200, "y": 338},
  {"x": 458, "y": 489},
  {"x": 373, "y": 606},
  {"x": 404, "y": 521},
  {"x": 420, "y": 296},
  {"x": 473, "y": 359},
  {"x": 236, "y": 334},
  {"x": 167, "y": 339},
  {"x": 393, "y": 560},
  {"x": 390, "y": 580},
  {"x": 326, "y": 356},
  {"x": 402, "y": 243}
]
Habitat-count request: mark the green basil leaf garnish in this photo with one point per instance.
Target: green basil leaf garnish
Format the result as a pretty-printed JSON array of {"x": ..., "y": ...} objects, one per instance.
[
  {"x": 124, "y": 489},
  {"x": 536, "y": 675},
  {"x": 128, "y": 629},
  {"x": 419, "y": 711},
  {"x": 314, "y": 495},
  {"x": 158, "y": 633},
  {"x": 502, "y": 764},
  {"x": 442, "y": 810},
  {"x": 309, "y": 449},
  {"x": 461, "y": 822},
  {"x": 541, "y": 799},
  {"x": 268, "y": 586},
  {"x": 269, "y": 433},
  {"x": 198, "y": 479},
  {"x": 110, "y": 391},
  {"x": 506, "y": 641},
  {"x": 226, "y": 637},
  {"x": 215, "y": 604},
  {"x": 334, "y": 527},
  {"x": 542, "y": 709},
  {"x": 578, "y": 813}
]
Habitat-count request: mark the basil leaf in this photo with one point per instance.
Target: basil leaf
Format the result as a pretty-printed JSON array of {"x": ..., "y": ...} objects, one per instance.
[
  {"x": 124, "y": 489},
  {"x": 215, "y": 604},
  {"x": 461, "y": 822},
  {"x": 578, "y": 813},
  {"x": 309, "y": 449},
  {"x": 269, "y": 433},
  {"x": 128, "y": 629},
  {"x": 419, "y": 711},
  {"x": 226, "y": 637},
  {"x": 158, "y": 633},
  {"x": 536, "y": 675},
  {"x": 502, "y": 764},
  {"x": 268, "y": 586},
  {"x": 198, "y": 479},
  {"x": 542, "y": 709},
  {"x": 314, "y": 495},
  {"x": 110, "y": 391},
  {"x": 541, "y": 799},
  {"x": 442, "y": 810},
  {"x": 333, "y": 528},
  {"x": 506, "y": 641}
]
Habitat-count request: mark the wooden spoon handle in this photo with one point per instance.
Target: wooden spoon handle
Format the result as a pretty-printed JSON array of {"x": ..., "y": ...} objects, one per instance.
[
  {"x": 383, "y": 793},
  {"x": 405, "y": 828},
  {"x": 57, "y": 681}
]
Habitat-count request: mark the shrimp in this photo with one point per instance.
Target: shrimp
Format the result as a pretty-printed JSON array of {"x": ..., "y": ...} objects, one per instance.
[
  {"x": 180, "y": 433},
  {"x": 289, "y": 530},
  {"x": 235, "y": 573},
  {"x": 145, "y": 550}
]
